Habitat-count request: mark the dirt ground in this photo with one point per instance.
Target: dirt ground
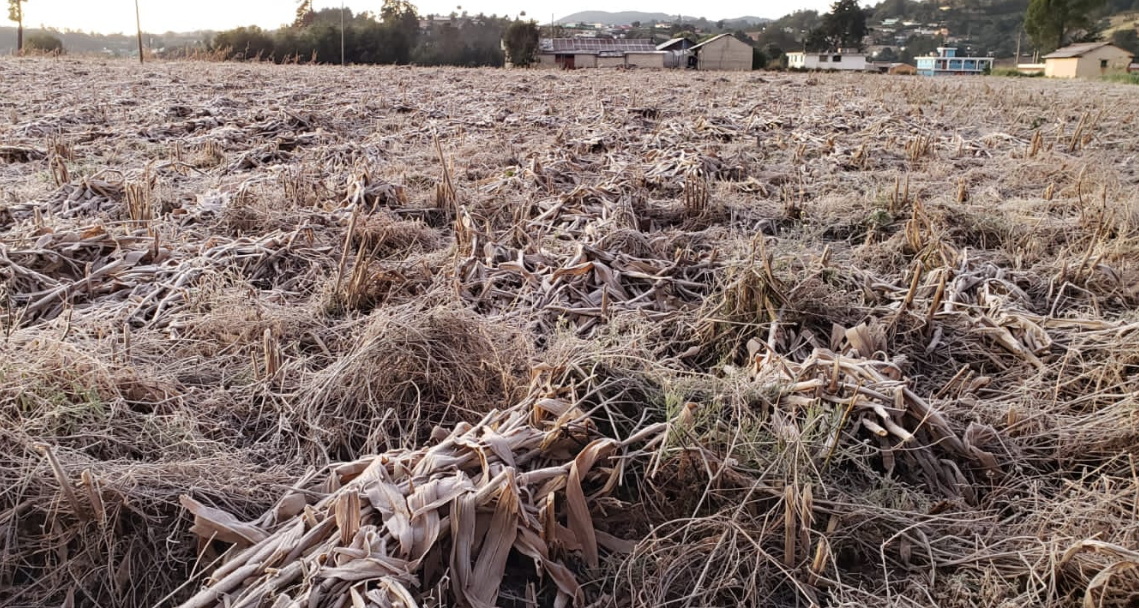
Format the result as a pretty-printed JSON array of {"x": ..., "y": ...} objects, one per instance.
[{"x": 379, "y": 336}]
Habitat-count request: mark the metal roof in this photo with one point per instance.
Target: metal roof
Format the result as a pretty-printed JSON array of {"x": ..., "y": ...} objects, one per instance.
[
  {"x": 664, "y": 45},
  {"x": 594, "y": 45},
  {"x": 1077, "y": 50},
  {"x": 709, "y": 41}
]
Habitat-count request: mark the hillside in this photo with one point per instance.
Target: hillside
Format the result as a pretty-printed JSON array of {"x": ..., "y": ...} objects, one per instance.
[{"x": 626, "y": 17}]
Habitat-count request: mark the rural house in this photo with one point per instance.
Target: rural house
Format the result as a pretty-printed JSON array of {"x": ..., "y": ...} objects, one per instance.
[
  {"x": 724, "y": 52},
  {"x": 846, "y": 59},
  {"x": 1086, "y": 60},
  {"x": 947, "y": 63},
  {"x": 572, "y": 53}
]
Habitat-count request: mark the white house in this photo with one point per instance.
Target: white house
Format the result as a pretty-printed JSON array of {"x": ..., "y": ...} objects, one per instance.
[{"x": 848, "y": 61}]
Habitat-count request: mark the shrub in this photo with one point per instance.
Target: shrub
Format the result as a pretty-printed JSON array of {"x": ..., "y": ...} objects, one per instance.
[
  {"x": 43, "y": 42},
  {"x": 1015, "y": 73}
]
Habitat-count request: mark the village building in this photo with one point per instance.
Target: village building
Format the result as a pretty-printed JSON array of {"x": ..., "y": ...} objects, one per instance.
[
  {"x": 724, "y": 52},
  {"x": 947, "y": 63},
  {"x": 892, "y": 67},
  {"x": 846, "y": 59},
  {"x": 573, "y": 53},
  {"x": 1086, "y": 60}
]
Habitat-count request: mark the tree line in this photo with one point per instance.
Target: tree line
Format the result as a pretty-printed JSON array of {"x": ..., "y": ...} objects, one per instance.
[{"x": 394, "y": 36}]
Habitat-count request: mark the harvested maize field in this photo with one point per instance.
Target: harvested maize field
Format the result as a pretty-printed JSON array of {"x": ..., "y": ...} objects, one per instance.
[{"x": 311, "y": 336}]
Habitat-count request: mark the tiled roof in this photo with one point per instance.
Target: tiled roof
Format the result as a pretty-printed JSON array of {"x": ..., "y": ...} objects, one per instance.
[{"x": 593, "y": 45}]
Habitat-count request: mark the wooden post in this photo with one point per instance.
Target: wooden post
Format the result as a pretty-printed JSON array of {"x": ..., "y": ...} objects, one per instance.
[
  {"x": 20, "y": 29},
  {"x": 138, "y": 25}
]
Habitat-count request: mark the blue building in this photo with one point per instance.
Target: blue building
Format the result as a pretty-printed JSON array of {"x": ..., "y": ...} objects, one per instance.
[{"x": 947, "y": 63}]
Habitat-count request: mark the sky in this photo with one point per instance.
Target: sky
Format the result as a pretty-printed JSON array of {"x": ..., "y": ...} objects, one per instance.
[{"x": 110, "y": 16}]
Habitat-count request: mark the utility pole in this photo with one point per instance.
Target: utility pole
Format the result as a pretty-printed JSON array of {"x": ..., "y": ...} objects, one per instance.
[
  {"x": 341, "y": 32},
  {"x": 1017, "y": 49},
  {"x": 20, "y": 31},
  {"x": 138, "y": 25}
]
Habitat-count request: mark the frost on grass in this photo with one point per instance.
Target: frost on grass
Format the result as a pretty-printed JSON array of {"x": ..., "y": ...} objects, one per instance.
[{"x": 279, "y": 334}]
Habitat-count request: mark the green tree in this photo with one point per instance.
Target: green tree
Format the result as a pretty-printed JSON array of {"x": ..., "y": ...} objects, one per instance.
[
  {"x": 44, "y": 43},
  {"x": 758, "y": 59},
  {"x": 1053, "y": 23},
  {"x": 845, "y": 26},
  {"x": 401, "y": 25},
  {"x": 305, "y": 14},
  {"x": 521, "y": 41},
  {"x": 16, "y": 13},
  {"x": 1127, "y": 40}
]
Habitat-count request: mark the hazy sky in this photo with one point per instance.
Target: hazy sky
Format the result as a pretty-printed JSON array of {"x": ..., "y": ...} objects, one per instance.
[{"x": 108, "y": 16}]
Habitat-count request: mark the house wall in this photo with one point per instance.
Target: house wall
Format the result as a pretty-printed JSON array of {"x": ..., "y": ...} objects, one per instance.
[
  {"x": 1089, "y": 65},
  {"x": 727, "y": 53},
  {"x": 812, "y": 61},
  {"x": 1061, "y": 68},
  {"x": 584, "y": 61},
  {"x": 645, "y": 60},
  {"x": 610, "y": 62},
  {"x": 546, "y": 60}
]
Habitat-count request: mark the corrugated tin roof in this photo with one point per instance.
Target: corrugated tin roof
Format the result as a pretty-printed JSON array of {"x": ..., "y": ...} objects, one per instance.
[
  {"x": 594, "y": 45},
  {"x": 708, "y": 41},
  {"x": 665, "y": 45},
  {"x": 1077, "y": 50}
]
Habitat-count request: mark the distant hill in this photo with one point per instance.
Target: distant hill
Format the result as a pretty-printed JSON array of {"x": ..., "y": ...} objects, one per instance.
[{"x": 626, "y": 17}]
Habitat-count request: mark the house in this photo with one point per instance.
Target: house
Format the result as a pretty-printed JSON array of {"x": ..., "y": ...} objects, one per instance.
[
  {"x": 947, "y": 63},
  {"x": 1086, "y": 60},
  {"x": 572, "y": 53},
  {"x": 724, "y": 52},
  {"x": 1133, "y": 68},
  {"x": 847, "y": 59},
  {"x": 887, "y": 67}
]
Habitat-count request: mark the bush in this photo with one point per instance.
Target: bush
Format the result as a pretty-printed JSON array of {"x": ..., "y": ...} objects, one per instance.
[
  {"x": 1122, "y": 78},
  {"x": 758, "y": 59},
  {"x": 244, "y": 43},
  {"x": 1015, "y": 73},
  {"x": 43, "y": 42},
  {"x": 521, "y": 40}
]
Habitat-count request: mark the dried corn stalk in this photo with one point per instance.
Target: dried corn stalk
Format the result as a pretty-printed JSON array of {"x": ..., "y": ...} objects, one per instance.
[{"x": 404, "y": 525}]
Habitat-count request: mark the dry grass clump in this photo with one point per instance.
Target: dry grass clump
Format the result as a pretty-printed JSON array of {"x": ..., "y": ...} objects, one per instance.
[
  {"x": 382, "y": 235},
  {"x": 406, "y": 369},
  {"x": 95, "y": 456}
]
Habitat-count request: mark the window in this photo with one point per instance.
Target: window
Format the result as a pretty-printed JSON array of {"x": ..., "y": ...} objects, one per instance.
[
  {"x": 837, "y": 59},
  {"x": 822, "y": 58},
  {"x": 1103, "y": 64}
]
